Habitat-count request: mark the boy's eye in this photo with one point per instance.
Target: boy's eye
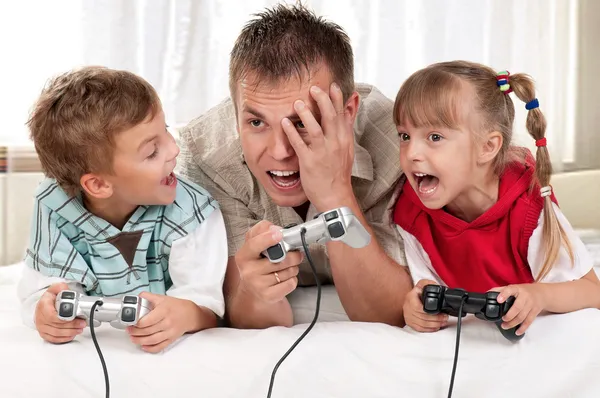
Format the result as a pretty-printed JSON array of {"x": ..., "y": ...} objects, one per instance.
[
  {"x": 154, "y": 153},
  {"x": 435, "y": 137},
  {"x": 255, "y": 123},
  {"x": 404, "y": 136}
]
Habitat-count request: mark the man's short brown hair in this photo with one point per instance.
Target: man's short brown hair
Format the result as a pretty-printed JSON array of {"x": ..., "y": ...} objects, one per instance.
[
  {"x": 290, "y": 40},
  {"x": 77, "y": 115}
]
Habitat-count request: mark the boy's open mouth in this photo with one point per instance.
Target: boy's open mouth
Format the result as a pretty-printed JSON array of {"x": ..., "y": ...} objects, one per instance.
[
  {"x": 284, "y": 178},
  {"x": 169, "y": 180},
  {"x": 426, "y": 183}
]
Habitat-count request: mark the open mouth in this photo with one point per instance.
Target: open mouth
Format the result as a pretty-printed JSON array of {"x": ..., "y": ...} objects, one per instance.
[
  {"x": 426, "y": 183},
  {"x": 169, "y": 180},
  {"x": 285, "y": 179}
]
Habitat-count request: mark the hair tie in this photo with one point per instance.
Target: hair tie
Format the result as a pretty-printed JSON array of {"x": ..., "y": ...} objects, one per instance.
[
  {"x": 540, "y": 142},
  {"x": 545, "y": 191},
  {"x": 502, "y": 80},
  {"x": 534, "y": 103}
]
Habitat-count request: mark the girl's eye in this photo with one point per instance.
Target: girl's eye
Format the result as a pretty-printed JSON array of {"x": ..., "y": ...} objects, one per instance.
[
  {"x": 299, "y": 125},
  {"x": 435, "y": 137},
  {"x": 404, "y": 137}
]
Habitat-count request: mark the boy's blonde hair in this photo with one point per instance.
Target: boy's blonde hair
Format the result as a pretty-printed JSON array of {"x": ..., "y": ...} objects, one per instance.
[
  {"x": 432, "y": 97},
  {"x": 77, "y": 116}
]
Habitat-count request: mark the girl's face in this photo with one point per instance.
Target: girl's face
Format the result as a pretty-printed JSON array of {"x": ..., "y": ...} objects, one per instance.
[{"x": 440, "y": 163}]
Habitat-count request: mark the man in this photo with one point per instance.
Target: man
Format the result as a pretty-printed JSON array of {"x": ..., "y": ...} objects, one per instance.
[{"x": 298, "y": 138}]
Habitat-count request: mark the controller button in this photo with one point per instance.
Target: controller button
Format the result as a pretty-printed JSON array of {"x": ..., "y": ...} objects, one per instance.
[
  {"x": 431, "y": 304},
  {"x": 128, "y": 314},
  {"x": 275, "y": 252},
  {"x": 492, "y": 311},
  {"x": 332, "y": 215},
  {"x": 65, "y": 310},
  {"x": 68, "y": 295},
  {"x": 130, "y": 299},
  {"x": 336, "y": 230}
]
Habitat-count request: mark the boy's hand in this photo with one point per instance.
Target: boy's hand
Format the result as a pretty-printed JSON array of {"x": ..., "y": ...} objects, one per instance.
[
  {"x": 415, "y": 317},
  {"x": 169, "y": 319},
  {"x": 47, "y": 323},
  {"x": 527, "y": 306}
]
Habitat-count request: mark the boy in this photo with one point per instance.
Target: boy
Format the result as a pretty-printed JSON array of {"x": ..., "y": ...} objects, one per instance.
[{"x": 111, "y": 218}]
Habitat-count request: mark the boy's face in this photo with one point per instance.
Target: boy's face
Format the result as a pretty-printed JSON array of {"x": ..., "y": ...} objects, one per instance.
[{"x": 144, "y": 160}]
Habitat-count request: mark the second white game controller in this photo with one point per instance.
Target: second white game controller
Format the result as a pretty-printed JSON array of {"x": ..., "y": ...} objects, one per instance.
[{"x": 334, "y": 225}]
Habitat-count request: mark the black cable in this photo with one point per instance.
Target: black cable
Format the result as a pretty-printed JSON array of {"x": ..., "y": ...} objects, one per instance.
[
  {"x": 93, "y": 310},
  {"x": 312, "y": 324},
  {"x": 460, "y": 309}
]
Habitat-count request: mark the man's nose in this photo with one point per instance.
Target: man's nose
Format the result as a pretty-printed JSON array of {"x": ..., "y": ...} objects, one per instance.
[{"x": 280, "y": 147}]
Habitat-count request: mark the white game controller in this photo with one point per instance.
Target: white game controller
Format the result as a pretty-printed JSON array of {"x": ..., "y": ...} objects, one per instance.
[
  {"x": 334, "y": 225},
  {"x": 119, "y": 312}
]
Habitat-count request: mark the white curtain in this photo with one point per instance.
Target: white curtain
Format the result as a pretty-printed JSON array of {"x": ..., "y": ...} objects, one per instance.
[{"x": 182, "y": 48}]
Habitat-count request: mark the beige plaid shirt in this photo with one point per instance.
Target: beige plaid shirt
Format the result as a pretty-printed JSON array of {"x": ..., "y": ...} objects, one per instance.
[{"x": 211, "y": 156}]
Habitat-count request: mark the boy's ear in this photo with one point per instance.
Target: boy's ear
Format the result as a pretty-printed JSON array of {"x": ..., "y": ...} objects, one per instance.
[
  {"x": 490, "y": 147},
  {"x": 96, "y": 186}
]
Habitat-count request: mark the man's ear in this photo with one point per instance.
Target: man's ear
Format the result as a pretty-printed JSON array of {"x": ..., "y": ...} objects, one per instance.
[
  {"x": 352, "y": 106},
  {"x": 491, "y": 145},
  {"x": 96, "y": 186}
]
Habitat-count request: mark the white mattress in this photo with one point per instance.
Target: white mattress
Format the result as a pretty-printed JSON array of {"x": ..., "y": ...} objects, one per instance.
[{"x": 559, "y": 357}]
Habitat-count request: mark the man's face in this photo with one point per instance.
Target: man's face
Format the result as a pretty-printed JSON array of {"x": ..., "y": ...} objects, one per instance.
[{"x": 267, "y": 150}]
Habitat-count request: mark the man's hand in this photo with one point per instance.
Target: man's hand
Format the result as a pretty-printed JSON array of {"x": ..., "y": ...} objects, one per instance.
[
  {"x": 527, "y": 306},
  {"x": 169, "y": 319},
  {"x": 414, "y": 315},
  {"x": 49, "y": 327},
  {"x": 270, "y": 282},
  {"x": 326, "y": 153}
]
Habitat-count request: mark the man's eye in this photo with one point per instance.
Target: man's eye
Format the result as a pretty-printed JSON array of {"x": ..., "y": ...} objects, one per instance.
[{"x": 255, "y": 123}]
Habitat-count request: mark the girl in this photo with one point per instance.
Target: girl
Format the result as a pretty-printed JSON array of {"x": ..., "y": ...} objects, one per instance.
[{"x": 475, "y": 212}]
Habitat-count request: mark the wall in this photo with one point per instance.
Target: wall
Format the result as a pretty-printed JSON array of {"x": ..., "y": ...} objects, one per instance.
[{"x": 16, "y": 204}]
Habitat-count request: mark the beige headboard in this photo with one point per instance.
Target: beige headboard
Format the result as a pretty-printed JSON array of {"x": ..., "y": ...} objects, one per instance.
[{"x": 578, "y": 195}]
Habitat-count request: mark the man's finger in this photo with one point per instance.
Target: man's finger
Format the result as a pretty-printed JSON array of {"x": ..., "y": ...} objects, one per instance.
[
  {"x": 337, "y": 99},
  {"x": 279, "y": 291},
  {"x": 254, "y": 247},
  {"x": 293, "y": 136},
  {"x": 311, "y": 125},
  {"x": 260, "y": 227},
  {"x": 329, "y": 113}
]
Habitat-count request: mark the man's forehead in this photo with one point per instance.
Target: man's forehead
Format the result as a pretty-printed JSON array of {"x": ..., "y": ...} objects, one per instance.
[{"x": 294, "y": 83}]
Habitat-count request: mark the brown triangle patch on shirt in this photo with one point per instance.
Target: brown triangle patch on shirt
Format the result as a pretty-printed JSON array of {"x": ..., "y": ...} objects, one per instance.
[{"x": 127, "y": 243}]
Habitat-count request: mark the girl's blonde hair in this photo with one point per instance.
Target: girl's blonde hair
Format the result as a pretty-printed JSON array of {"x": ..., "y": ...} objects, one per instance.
[{"x": 433, "y": 97}]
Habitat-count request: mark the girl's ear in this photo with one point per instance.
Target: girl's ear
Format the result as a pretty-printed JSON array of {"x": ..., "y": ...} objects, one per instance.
[{"x": 490, "y": 147}]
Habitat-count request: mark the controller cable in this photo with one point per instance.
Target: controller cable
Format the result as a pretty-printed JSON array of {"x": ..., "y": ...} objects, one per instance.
[
  {"x": 458, "y": 325},
  {"x": 312, "y": 324},
  {"x": 99, "y": 303}
]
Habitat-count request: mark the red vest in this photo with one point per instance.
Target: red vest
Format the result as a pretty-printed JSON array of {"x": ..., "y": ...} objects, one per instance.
[{"x": 490, "y": 251}]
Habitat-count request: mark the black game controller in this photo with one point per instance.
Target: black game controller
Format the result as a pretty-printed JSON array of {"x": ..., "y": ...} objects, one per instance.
[{"x": 484, "y": 306}]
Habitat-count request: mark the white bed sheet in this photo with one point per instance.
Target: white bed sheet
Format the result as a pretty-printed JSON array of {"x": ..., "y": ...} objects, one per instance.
[{"x": 559, "y": 357}]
